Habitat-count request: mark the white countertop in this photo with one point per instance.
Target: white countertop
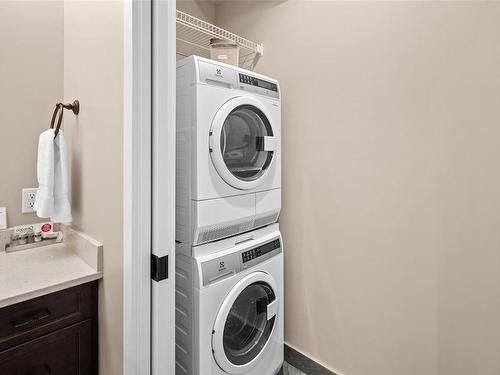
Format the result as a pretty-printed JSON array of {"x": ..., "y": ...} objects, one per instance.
[{"x": 31, "y": 273}]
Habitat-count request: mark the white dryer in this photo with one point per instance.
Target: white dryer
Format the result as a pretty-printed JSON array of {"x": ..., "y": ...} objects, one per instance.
[
  {"x": 229, "y": 306},
  {"x": 228, "y": 151}
]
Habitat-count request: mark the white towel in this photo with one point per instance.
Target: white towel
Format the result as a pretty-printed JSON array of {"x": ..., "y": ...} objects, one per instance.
[
  {"x": 44, "y": 202},
  {"x": 52, "y": 198},
  {"x": 62, "y": 208}
]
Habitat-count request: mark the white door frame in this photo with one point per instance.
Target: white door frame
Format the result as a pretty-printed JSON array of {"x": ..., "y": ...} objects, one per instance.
[{"x": 148, "y": 186}]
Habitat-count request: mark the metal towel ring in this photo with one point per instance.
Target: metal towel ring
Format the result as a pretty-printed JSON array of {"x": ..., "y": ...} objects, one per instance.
[{"x": 60, "y": 107}]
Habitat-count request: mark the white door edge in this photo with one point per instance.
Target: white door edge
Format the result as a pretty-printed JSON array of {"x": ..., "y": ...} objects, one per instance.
[
  {"x": 137, "y": 188},
  {"x": 163, "y": 188}
]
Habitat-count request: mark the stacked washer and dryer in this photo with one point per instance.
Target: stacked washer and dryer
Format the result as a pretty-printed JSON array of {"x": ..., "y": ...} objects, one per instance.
[{"x": 229, "y": 260}]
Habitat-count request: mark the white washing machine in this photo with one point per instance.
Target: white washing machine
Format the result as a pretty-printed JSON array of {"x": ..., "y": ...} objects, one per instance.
[
  {"x": 229, "y": 306},
  {"x": 228, "y": 151}
]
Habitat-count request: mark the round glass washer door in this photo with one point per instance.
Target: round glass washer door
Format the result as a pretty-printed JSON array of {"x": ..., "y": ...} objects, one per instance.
[
  {"x": 242, "y": 142},
  {"x": 245, "y": 323}
]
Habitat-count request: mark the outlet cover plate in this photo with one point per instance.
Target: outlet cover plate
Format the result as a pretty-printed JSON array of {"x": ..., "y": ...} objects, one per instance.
[
  {"x": 3, "y": 218},
  {"x": 28, "y": 203}
]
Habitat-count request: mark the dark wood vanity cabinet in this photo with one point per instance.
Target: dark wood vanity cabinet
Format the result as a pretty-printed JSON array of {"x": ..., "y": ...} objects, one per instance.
[{"x": 55, "y": 334}]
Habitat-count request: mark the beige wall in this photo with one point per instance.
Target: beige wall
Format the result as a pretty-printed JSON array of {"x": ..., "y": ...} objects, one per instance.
[
  {"x": 31, "y": 83},
  {"x": 93, "y": 73},
  {"x": 391, "y": 204}
]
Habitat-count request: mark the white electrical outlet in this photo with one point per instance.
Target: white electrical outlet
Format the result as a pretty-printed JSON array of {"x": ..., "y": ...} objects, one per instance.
[
  {"x": 29, "y": 196},
  {"x": 3, "y": 217}
]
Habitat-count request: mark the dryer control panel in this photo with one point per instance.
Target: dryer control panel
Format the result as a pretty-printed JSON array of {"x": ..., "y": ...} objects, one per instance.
[
  {"x": 257, "y": 85},
  {"x": 228, "y": 265},
  {"x": 249, "y": 80},
  {"x": 224, "y": 76}
]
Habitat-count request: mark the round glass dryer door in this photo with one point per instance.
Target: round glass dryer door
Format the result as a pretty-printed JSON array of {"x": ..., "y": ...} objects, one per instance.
[
  {"x": 245, "y": 324},
  {"x": 242, "y": 143}
]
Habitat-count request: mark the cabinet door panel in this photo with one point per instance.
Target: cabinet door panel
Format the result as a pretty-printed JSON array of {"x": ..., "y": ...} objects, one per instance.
[{"x": 65, "y": 352}]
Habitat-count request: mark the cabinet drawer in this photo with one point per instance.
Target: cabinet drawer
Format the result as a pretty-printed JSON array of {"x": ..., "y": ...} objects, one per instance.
[
  {"x": 65, "y": 352},
  {"x": 30, "y": 319}
]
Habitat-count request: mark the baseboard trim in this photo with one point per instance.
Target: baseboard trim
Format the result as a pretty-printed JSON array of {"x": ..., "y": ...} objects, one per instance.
[{"x": 304, "y": 363}]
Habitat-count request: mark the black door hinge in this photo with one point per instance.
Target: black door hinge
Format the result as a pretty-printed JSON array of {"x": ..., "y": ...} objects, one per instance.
[{"x": 159, "y": 267}]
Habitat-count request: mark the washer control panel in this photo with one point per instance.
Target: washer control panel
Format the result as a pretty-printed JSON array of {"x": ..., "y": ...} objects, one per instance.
[
  {"x": 256, "y": 252},
  {"x": 230, "y": 264}
]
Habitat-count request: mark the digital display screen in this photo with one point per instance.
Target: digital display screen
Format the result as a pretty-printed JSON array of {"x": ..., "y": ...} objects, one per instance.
[
  {"x": 261, "y": 250},
  {"x": 249, "y": 80},
  {"x": 266, "y": 85}
]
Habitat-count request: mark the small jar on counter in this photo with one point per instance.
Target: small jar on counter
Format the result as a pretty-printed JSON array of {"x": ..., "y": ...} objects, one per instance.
[{"x": 23, "y": 238}]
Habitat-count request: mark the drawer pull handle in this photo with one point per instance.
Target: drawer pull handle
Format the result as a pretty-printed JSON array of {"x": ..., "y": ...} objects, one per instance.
[{"x": 31, "y": 319}]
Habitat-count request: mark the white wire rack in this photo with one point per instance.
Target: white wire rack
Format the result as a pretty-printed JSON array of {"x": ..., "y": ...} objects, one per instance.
[{"x": 193, "y": 38}]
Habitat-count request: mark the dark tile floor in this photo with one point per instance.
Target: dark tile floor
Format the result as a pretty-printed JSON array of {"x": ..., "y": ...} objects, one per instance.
[
  {"x": 302, "y": 365},
  {"x": 288, "y": 369}
]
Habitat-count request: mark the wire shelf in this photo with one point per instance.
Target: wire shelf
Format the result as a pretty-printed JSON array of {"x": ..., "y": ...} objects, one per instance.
[{"x": 194, "y": 34}]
